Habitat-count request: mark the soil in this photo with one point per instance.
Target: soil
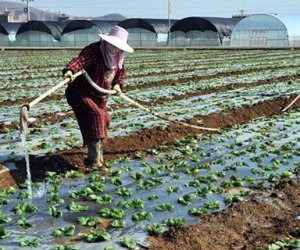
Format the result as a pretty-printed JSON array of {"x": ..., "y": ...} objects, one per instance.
[
  {"x": 250, "y": 224},
  {"x": 127, "y": 146}
]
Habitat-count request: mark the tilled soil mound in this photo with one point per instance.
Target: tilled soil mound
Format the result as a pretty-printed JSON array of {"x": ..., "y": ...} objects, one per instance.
[{"x": 257, "y": 222}]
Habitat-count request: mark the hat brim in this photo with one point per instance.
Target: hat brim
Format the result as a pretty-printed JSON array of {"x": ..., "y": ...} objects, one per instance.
[{"x": 117, "y": 42}]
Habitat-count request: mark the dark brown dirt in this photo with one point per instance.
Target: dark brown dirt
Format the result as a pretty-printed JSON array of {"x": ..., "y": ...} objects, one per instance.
[
  {"x": 246, "y": 225},
  {"x": 127, "y": 146}
]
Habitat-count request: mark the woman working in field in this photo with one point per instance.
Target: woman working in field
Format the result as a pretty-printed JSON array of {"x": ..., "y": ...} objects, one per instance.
[{"x": 104, "y": 62}]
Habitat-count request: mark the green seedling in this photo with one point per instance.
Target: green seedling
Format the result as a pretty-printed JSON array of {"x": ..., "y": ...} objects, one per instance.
[
  {"x": 97, "y": 235},
  {"x": 128, "y": 242},
  {"x": 89, "y": 221},
  {"x": 156, "y": 228},
  {"x": 54, "y": 213},
  {"x": 73, "y": 206},
  {"x": 142, "y": 216},
  {"x": 64, "y": 231}
]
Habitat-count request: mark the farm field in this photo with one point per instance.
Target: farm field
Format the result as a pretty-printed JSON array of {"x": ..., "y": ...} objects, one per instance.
[{"x": 163, "y": 176}]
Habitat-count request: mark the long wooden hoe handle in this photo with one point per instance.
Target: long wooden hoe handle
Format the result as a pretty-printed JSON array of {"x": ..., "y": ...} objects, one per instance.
[
  {"x": 163, "y": 117},
  {"x": 291, "y": 104}
]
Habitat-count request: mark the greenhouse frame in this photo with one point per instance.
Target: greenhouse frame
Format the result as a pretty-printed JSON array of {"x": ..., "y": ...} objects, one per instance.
[
  {"x": 260, "y": 31},
  {"x": 201, "y": 31},
  {"x": 39, "y": 34},
  {"x": 147, "y": 32},
  {"x": 79, "y": 33}
]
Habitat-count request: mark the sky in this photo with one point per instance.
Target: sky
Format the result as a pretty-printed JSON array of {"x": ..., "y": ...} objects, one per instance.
[{"x": 159, "y": 8}]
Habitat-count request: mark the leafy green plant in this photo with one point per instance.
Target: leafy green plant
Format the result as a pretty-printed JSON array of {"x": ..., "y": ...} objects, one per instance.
[
  {"x": 156, "y": 228},
  {"x": 175, "y": 222},
  {"x": 73, "y": 206},
  {"x": 197, "y": 211},
  {"x": 3, "y": 234},
  {"x": 125, "y": 192},
  {"x": 29, "y": 242},
  {"x": 64, "y": 231},
  {"x": 24, "y": 224},
  {"x": 187, "y": 199},
  {"x": 211, "y": 205},
  {"x": 113, "y": 213},
  {"x": 174, "y": 189},
  {"x": 24, "y": 208},
  {"x": 153, "y": 197},
  {"x": 115, "y": 180},
  {"x": 4, "y": 218},
  {"x": 96, "y": 235},
  {"x": 118, "y": 223},
  {"x": 137, "y": 176},
  {"x": 104, "y": 199},
  {"x": 89, "y": 221},
  {"x": 73, "y": 174},
  {"x": 82, "y": 193},
  {"x": 128, "y": 242},
  {"x": 54, "y": 213},
  {"x": 165, "y": 207},
  {"x": 142, "y": 216}
]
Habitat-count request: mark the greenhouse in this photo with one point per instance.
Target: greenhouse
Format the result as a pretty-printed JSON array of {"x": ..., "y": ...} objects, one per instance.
[
  {"x": 39, "y": 34},
  {"x": 4, "y": 39},
  {"x": 146, "y": 32},
  {"x": 79, "y": 33},
  {"x": 198, "y": 31},
  {"x": 260, "y": 31}
]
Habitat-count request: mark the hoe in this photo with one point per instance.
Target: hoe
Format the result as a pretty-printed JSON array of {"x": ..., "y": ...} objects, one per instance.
[{"x": 26, "y": 107}]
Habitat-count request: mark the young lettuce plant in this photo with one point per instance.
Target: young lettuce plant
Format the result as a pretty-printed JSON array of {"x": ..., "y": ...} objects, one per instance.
[
  {"x": 54, "y": 213},
  {"x": 142, "y": 216},
  {"x": 73, "y": 206},
  {"x": 113, "y": 213},
  {"x": 175, "y": 222},
  {"x": 3, "y": 234},
  {"x": 24, "y": 224},
  {"x": 89, "y": 221},
  {"x": 24, "y": 208},
  {"x": 156, "y": 228},
  {"x": 29, "y": 242},
  {"x": 164, "y": 207},
  {"x": 64, "y": 231},
  {"x": 4, "y": 218},
  {"x": 128, "y": 242},
  {"x": 96, "y": 235}
]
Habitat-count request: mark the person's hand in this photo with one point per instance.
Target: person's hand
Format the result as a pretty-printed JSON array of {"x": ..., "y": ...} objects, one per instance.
[
  {"x": 118, "y": 89},
  {"x": 69, "y": 75}
]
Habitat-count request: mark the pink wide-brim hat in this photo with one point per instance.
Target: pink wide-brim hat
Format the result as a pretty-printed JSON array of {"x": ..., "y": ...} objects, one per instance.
[{"x": 118, "y": 37}]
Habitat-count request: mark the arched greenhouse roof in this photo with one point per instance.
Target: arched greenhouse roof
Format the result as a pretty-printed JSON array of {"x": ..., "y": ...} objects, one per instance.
[
  {"x": 223, "y": 26},
  {"x": 137, "y": 23},
  {"x": 153, "y": 25},
  {"x": 3, "y": 30},
  {"x": 260, "y": 22},
  {"x": 103, "y": 25},
  {"x": 52, "y": 28},
  {"x": 10, "y": 27}
]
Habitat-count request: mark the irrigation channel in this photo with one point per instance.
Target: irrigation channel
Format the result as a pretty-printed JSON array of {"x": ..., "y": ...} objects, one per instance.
[{"x": 203, "y": 174}]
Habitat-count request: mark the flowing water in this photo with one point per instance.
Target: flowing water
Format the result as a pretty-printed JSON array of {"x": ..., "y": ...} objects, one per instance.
[{"x": 25, "y": 148}]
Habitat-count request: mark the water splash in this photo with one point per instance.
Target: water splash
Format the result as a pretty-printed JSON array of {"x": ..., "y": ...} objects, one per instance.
[{"x": 26, "y": 154}]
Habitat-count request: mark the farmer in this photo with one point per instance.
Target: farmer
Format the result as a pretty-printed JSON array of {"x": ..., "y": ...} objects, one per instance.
[{"x": 104, "y": 62}]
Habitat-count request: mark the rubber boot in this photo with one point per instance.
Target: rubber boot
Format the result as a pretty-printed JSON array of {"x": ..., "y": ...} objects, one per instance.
[{"x": 95, "y": 155}]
